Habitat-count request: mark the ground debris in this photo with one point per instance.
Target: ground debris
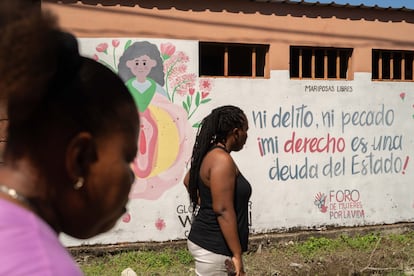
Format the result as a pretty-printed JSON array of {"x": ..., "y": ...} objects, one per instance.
[{"x": 384, "y": 252}]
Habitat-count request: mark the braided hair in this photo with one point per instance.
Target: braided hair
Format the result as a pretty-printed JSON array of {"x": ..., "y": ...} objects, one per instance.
[{"x": 214, "y": 129}]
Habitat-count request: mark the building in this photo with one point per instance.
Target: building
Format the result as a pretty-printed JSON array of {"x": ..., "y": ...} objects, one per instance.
[{"x": 328, "y": 90}]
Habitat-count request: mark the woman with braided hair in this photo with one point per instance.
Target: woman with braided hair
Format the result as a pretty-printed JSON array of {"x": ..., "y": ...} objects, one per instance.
[{"x": 219, "y": 231}]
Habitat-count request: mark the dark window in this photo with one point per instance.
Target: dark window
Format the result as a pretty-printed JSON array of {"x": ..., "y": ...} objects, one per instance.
[
  {"x": 294, "y": 61},
  {"x": 392, "y": 65},
  {"x": 332, "y": 59},
  {"x": 397, "y": 60},
  {"x": 319, "y": 62},
  {"x": 385, "y": 68},
  {"x": 408, "y": 67},
  {"x": 212, "y": 60},
  {"x": 306, "y": 69},
  {"x": 261, "y": 53},
  {"x": 232, "y": 60},
  {"x": 240, "y": 61}
]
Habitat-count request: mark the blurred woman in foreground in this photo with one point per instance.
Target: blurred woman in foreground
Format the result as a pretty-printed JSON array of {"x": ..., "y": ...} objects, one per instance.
[{"x": 72, "y": 132}]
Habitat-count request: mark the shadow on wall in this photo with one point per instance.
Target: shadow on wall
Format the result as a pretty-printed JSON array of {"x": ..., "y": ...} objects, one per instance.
[{"x": 265, "y": 8}]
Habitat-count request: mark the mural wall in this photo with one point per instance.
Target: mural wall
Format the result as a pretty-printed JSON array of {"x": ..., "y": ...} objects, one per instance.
[{"x": 319, "y": 153}]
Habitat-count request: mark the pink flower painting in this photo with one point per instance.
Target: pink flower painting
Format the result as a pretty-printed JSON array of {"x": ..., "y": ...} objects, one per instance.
[
  {"x": 102, "y": 48},
  {"x": 167, "y": 50},
  {"x": 160, "y": 224},
  {"x": 181, "y": 85},
  {"x": 115, "y": 43}
]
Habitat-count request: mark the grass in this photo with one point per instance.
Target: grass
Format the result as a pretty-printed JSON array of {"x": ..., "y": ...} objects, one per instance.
[
  {"x": 315, "y": 246},
  {"x": 148, "y": 262},
  {"x": 352, "y": 255}
]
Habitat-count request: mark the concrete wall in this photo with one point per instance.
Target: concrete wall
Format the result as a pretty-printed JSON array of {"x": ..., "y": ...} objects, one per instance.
[{"x": 319, "y": 153}]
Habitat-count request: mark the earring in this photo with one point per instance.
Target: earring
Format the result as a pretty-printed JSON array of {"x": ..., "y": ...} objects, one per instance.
[{"x": 79, "y": 183}]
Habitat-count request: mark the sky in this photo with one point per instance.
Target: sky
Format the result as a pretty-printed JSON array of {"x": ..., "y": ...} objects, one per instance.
[{"x": 381, "y": 3}]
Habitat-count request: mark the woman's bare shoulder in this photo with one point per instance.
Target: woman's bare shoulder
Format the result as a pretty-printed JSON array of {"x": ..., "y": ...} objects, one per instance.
[{"x": 219, "y": 158}]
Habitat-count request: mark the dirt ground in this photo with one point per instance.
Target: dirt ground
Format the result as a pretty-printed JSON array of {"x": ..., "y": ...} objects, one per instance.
[
  {"x": 384, "y": 260},
  {"x": 275, "y": 254}
]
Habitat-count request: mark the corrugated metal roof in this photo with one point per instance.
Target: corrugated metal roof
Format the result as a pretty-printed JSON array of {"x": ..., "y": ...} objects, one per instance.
[{"x": 335, "y": 4}]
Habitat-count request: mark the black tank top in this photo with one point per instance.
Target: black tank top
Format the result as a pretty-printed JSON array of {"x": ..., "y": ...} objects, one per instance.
[{"x": 205, "y": 229}]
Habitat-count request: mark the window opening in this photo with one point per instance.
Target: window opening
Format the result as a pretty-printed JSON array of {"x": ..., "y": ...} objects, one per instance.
[
  {"x": 232, "y": 60},
  {"x": 319, "y": 62},
  {"x": 392, "y": 65}
]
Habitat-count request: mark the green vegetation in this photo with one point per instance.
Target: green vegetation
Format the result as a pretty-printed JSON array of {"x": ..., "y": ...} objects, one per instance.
[
  {"x": 169, "y": 261},
  {"x": 314, "y": 246},
  {"x": 381, "y": 254}
]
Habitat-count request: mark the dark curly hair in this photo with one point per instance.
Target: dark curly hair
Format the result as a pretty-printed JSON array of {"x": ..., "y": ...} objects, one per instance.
[{"x": 52, "y": 92}]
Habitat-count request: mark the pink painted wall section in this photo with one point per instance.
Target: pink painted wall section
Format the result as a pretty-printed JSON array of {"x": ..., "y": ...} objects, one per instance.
[{"x": 319, "y": 153}]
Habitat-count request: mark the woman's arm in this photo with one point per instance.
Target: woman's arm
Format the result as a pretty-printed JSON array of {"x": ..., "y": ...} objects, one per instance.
[{"x": 222, "y": 185}]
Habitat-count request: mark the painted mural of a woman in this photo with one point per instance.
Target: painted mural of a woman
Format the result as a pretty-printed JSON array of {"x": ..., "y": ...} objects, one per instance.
[{"x": 165, "y": 131}]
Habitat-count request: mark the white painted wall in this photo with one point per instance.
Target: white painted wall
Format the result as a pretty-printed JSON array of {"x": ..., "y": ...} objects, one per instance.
[{"x": 334, "y": 189}]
